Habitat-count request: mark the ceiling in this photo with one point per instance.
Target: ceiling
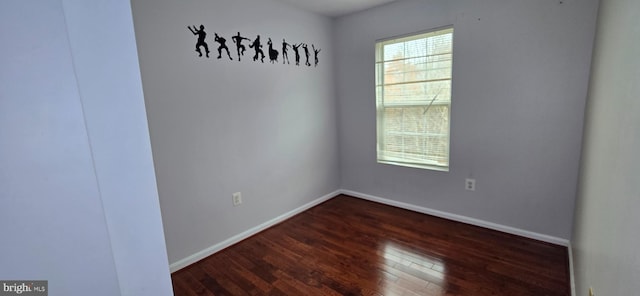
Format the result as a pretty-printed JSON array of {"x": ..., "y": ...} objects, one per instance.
[{"x": 335, "y": 8}]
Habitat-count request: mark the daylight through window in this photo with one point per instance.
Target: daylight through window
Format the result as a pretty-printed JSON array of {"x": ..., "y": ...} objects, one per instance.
[{"x": 413, "y": 99}]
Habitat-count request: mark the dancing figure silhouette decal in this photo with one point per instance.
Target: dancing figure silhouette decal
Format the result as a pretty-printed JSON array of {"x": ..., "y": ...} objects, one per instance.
[
  {"x": 273, "y": 54},
  {"x": 316, "y": 52},
  {"x": 285, "y": 55},
  {"x": 223, "y": 45},
  {"x": 258, "y": 48},
  {"x": 201, "y": 36},
  {"x": 306, "y": 53},
  {"x": 256, "y": 45},
  {"x": 296, "y": 48},
  {"x": 237, "y": 39}
]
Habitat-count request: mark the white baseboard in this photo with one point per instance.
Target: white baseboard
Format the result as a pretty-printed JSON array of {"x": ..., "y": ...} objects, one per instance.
[
  {"x": 182, "y": 263},
  {"x": 460, "y": 218}
]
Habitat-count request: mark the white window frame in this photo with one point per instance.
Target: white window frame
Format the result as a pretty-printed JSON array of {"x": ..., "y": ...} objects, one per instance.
[{"x": 397, "y": 158}]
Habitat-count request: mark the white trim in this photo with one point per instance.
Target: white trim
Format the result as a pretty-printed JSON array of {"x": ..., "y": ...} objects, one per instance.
[
  {"x": 571, "y": 271},
  {"x": 184, "y": 262},
  {"x": 460, "y": 218}
]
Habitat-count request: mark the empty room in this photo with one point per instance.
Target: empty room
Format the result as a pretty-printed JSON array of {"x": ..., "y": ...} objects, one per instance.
[{"x": 319, "y": 147}]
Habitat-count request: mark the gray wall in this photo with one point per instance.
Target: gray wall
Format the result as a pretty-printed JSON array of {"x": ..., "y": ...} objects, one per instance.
[
  {"x": 605, "y": 238},
  {"x": 220, "y": 126},
  {"x": 520, "y": 77},
  {"x": 77, "y": 187}
]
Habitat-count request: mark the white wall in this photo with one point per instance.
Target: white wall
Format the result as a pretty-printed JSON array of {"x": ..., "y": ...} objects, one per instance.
[
  {"x": 605, "y": 238},
  {"x": 104, "y": 52},
  {"x": 77, "y": 187},
  {"x": 520, "y": 75},
  {"x": 220, "y": 126}
]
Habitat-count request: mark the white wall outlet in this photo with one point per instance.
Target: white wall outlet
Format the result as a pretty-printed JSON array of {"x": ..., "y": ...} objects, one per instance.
[
  {"x": 237, "y": 199},
  {"x": 470, "y": 184},
  {"x": 591, "y": 292}
]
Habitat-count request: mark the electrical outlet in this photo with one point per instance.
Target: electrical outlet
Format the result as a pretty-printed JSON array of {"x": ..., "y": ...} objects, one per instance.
[
  {"x": 470, "y": 184},
  {"x": 591, "y": 292},
  {"x": 237, "y": 199}
]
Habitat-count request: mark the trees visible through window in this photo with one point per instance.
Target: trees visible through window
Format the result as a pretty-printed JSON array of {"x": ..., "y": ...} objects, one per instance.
[{"x": 413, "y": 99}]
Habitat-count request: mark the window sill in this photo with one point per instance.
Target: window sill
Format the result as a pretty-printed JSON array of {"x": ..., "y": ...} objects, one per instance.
[{"x": 416, "y": 165}]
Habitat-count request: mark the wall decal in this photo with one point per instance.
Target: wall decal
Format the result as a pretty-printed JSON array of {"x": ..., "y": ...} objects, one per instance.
[
  {"x": 239, "y": 47},
  {"x": 223, "y": 45},
  {"x": 285, "y": 55},
  {"x": 201, "y": 36},
  {"x": 258, "y": 48},
  {"x": 256, "y": 45},
  {"x": 295, "y": 49},
  {"x": 306, "y": 53},
  {"x": 273, "y": 54},
  {"x": 316, "y": 51}
]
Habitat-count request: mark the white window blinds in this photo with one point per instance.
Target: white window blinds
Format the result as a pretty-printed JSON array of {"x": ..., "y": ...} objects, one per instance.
[{"x": 413, "y": 99}]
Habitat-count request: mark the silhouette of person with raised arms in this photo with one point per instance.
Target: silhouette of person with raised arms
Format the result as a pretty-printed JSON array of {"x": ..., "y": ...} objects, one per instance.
[
  {"x": 285, "y": 55},
  {"x": 316, "y": 52},
  {"x": 295, "y": 49},
  {"x": 223, "y": 45},
  {"x": 201, "y": 36},
  {"x": 258, "y": 48},
  {"x": 306, "y": 53},
  {"x": 239, "y": 47}
]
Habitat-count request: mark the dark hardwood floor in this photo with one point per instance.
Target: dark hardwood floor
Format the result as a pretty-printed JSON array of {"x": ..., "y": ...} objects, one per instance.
[{"x": 348, "y": 246}]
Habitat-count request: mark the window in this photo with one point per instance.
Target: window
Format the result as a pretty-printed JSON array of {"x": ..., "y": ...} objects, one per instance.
[{"x": 413, "y": 99}]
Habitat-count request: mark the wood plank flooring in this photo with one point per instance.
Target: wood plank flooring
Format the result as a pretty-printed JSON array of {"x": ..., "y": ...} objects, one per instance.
[{"x": 348, "y": 246}]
